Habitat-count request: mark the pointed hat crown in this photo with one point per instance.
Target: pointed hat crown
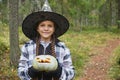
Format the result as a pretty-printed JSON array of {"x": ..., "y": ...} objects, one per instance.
[{"x": 46, "y": 6}]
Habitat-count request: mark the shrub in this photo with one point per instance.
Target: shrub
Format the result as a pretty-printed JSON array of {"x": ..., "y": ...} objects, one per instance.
[
  {"x": 115, "y": 69},
  {"x": 3, "y": 48}
]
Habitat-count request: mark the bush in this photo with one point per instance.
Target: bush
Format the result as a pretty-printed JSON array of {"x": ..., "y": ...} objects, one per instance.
[
  {"x": 3, "y": 48},
  {"x": 115, "y": 69}
]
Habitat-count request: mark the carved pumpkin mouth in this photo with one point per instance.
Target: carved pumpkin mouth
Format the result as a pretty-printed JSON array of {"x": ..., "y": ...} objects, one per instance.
[{"x": 47, "y": 60}]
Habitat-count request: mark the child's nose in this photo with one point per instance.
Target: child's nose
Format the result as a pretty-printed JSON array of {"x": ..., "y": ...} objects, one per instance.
[{"x": 46, "y": 28}]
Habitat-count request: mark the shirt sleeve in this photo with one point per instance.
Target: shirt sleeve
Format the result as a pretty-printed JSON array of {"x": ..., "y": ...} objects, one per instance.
[
  {"x": 67, "y": 67},
  {"x": 23, "y": 65}
]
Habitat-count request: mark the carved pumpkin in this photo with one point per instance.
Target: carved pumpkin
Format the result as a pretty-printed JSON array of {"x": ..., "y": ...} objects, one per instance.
[{"x": 45, "y": 63}]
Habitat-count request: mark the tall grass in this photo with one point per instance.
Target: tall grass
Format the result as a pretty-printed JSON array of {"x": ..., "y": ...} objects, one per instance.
[{"x": 115, "y": 69}]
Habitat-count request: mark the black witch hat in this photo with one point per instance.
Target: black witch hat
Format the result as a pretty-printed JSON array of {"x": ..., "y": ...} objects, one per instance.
[{"x": 28, "y": 25}]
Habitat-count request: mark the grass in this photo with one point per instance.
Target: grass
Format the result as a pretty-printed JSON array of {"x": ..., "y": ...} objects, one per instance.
[
  {"x": 115, "y": 69},
  {"x": 79, "y": 43}
]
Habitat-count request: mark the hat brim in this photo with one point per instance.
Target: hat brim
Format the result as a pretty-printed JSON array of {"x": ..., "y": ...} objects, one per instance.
[{"x": 30, "y": 21}]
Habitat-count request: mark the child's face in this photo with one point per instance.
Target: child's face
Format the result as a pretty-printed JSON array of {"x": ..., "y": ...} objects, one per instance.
[{"x": 46, "y": 29}]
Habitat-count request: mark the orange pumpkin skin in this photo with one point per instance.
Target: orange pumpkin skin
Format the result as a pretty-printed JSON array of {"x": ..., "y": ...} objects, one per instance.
[{"x": 45, "y": 63}]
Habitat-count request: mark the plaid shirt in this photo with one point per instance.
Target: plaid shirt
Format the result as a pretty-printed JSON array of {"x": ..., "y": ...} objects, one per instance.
[{"x": 28, "y": 52}]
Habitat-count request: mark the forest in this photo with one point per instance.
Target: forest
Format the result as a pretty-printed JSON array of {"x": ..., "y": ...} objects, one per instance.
[
  {"x": 94, "y": 31},
  {"x": 80, "y": 13}
]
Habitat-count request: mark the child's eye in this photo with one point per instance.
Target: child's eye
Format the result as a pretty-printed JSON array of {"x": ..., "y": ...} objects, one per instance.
[
  {"x": 42, "y": 25},
  {"x": 50, "y": 26}
]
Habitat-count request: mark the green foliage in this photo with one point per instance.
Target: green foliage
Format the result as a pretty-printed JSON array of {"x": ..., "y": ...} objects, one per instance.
[
  {"x": 112, "y": 30},
  {"x": 79, "y": 12},
  {"x": 25, "y": 8},
  {"x": 72, "y": 12},
  {"x": 118, "y": 21},
  {"x": 22, "y": 37},
  {"x": 4, "y": 33},
  {"x": 3, "y": 48},
  {"x": 115, "y": 69},
  {"x": 3, "y": 11}
]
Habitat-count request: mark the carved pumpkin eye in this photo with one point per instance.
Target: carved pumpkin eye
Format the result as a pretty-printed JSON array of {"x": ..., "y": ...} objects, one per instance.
[
  {"x": 39, "y": 61},
  {"x": 47, "y": 60},
  {"x": 37, "y": 58}
]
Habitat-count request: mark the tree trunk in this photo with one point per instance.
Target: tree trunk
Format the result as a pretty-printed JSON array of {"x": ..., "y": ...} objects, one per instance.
[
  {"x": 20, "y": 17},
  {"x": 118, "y": 2},
  {"x": 110, "y": 12},
  {"x": 36, "y": 5},
  {"x": 114, "y": 12},
  {"x": 13, "y": 28},
  {"x": 105, "y": 15}
]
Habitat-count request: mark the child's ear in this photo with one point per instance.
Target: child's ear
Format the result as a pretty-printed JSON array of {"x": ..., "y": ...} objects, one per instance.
[{"x": 37, "y": 30}]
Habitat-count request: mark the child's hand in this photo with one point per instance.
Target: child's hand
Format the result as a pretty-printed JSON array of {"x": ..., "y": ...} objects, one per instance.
[
  {"x": 56, "y": 73},
  {"x": 33, "y": 72}
]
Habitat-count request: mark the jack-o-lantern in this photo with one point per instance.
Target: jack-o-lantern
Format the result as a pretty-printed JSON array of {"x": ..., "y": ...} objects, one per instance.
[{"x": 45, "y": 63}]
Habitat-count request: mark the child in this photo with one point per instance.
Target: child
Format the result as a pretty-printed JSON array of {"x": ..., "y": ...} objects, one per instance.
[{"x": 43, "y": 29}]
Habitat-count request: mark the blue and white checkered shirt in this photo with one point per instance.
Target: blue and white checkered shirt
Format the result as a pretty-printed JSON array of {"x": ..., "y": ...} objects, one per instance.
[{"x": 28, "y": 52}]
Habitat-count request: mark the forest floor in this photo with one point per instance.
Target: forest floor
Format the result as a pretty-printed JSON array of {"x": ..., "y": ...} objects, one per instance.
[{"x": 99, "y": 64}]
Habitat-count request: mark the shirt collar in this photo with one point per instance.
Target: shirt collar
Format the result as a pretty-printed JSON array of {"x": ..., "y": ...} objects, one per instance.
[{"x": 45, "y": 44}]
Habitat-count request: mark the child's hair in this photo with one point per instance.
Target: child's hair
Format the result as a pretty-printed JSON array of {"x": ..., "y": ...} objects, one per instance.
[
  {"x": 37, "y": 44},
  {"x": 52, "y": 46},
  {"x": 38, "y": 39}
]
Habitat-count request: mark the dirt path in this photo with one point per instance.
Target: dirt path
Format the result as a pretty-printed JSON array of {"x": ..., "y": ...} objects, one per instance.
[{"x": 98, "y": 65}]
